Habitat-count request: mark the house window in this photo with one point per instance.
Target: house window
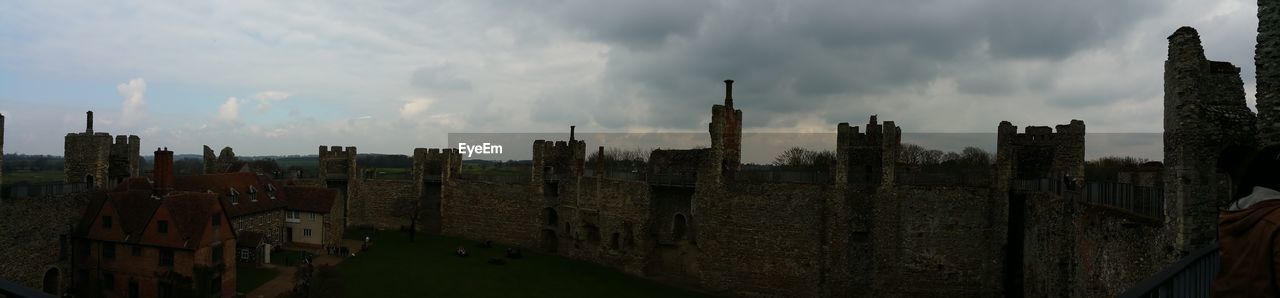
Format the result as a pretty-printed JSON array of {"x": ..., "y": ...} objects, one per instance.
[
  {"x": 311, "y": 216},
  {"x": 271, "y": 191},
  {"x": 106, "y": 222},
  {"x": 109, "y": 281},
  {"x": 162, "y": 226},
  {"x": 133, "y": 289},
  {"x": 306, "y": 232},
  {"x": 217, "y": 254},
  {"x": 216, "y": 219},
  {"x": 137, "y": 251},
  {"x": 166, "y": 257},
  {"x": 233, "y": 194},
  {"x": 109, "y": 251}
]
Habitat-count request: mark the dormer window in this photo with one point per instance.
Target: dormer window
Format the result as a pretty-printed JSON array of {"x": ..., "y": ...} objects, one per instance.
[
  {"x": 106, "y": 222},
  {"x": 253, "y": 194},
  {"x": 233, "y": 195},
  {"x": 271, "y": 191}
]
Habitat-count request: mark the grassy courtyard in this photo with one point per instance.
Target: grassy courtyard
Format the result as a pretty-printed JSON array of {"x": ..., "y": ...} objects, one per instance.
[
  {"x": 251, "y": 277},
  {"x": 428, "y": 268}
]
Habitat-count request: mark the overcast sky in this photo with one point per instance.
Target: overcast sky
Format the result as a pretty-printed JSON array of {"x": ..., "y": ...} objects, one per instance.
[{"x": 275, "y": 77}]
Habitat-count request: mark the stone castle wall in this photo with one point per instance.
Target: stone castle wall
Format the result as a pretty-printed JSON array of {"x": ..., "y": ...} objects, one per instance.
[
  {"x": 500, "y": 212},
  {"x": 270, "y": 224},
  {"x": 30, "y": 231},
  {"x": 763, "y": 239},
  {"x": 946, "y": 241},
  {"x": 376, "y": 206}
]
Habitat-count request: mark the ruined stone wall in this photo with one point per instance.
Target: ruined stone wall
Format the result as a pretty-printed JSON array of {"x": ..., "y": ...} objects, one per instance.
[
  {"x": 1088, "y": 250},
  {"x": 377, "y": 203},
  {"x": 481, "y": 210},
  {"x": 270, "y": 224},
  {"x": 763, "y": 239},
  {"x": 1205, "y": 112},
  {"x": 946, "y": 249},
  {"x": 30, "y": 230},
  {"x": 609, "y": 223},
  {"x": 1049, "y": 262},
  {"x": 1115, "y": 250},
  {"x": 1267, "y": 65}
]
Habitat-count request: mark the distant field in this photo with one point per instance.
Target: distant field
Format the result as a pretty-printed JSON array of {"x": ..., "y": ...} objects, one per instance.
[{"x": 32, "y": 177}]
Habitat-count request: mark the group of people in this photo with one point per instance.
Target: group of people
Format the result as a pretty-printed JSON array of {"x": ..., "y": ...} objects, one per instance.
[{"x": 511, "y": 253}]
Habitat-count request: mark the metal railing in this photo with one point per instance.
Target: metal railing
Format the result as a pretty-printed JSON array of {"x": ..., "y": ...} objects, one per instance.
[
  {"x": 1145, "y": 201},
  {"x": 1190, "y": 277},
  {"x": 1148, "y": 201}
]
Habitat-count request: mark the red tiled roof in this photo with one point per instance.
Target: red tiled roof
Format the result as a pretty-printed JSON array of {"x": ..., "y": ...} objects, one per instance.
[
  {"x": 191, "y": 212},
  {"x": 244, "y": 203},
  {"x": 311, "y": 198}
]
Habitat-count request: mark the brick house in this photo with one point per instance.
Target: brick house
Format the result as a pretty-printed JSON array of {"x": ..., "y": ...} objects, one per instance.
[{"x": 154, "y": 242}]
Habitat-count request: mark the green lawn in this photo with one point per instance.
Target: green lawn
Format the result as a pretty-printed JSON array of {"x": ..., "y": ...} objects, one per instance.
[
  {"x": 250, "y": 277},
  {"x": 286, "y": 257},
  {"x": 33, "y": 177},
  {"x": 428, "y": 268}
]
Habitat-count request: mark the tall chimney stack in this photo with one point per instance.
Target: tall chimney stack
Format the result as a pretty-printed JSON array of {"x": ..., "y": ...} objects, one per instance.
[
  {"x": 571, "y": 128},
  {"x": 728, "y": 94},
  {"x": 163, "y": 171},
  {"x": 88, "y": 125},
  {"x": 600, "y": 163}
]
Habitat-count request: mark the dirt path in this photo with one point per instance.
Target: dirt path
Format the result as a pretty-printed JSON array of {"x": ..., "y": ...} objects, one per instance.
[{"x": 282, "y": 283}]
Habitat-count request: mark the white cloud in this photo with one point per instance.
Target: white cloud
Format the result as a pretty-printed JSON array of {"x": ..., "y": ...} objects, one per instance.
[
  {"x": 265, "y": 98},
  {"x": 133, "y": 108},
  {"x": 229, "y": 111},
  {"x": 415, "y": 108}
]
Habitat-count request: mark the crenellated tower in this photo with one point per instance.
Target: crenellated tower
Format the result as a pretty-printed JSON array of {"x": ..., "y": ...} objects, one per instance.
[
  {"x": 337, "y": 170},
  {"x": 94, "y": 159}
]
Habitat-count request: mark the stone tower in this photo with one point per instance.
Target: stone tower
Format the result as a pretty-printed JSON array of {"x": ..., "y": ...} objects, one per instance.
[
  {"x": 93, "y": 159},
  {"x": 1204, "y": 113},
  {"x": 86, "y": 156},
  {"x": 726, "y": 133},
  {"x": 337, "y": 170},
  {"x": 1267, "y": 63}
]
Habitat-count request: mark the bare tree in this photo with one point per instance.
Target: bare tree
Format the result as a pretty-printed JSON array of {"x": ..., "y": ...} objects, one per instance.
[
  {"x": 412, "y": 209},
  {"x": 800, "y": 158}
]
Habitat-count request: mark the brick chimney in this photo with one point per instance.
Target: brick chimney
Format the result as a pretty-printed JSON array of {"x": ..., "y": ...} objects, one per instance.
[
  {"x": 728, "y": 94},
  {"x": 163, "y": 171},
  {"x": 571, "y": 128},
  {"x": 88, "y": 123}
]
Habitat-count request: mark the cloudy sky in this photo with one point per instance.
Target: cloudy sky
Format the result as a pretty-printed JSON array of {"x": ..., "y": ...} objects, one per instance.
[{"x": 279, "y": 77}]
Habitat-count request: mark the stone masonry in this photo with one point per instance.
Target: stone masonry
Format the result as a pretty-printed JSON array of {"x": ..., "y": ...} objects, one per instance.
[
  {"x": 1205, "y": 113},
  {"x": 92, "y": 158}
]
